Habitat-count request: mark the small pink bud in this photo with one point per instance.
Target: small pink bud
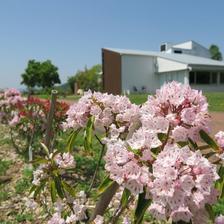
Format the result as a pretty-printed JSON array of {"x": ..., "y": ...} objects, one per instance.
[
  {"x": 197, "y": 170},
  {"x": 177, "y": 184}
]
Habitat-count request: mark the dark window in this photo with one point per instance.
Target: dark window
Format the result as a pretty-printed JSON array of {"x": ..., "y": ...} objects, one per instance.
[
  {"x": 178, "y": 51},
  {"x": 203, "y": 77},
  {"x": 222, "y": 77},
  {"x": 163, "y": 47},
  {"x": 214, "y": 77},
  {"x": 191, "y": 77}
]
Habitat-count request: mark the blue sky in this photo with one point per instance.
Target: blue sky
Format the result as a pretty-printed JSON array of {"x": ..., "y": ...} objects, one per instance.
[{"x": 71, "y": 33}]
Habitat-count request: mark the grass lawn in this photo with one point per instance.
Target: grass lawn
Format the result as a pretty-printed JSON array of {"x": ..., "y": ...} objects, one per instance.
[{"x": 215, "y": 99}]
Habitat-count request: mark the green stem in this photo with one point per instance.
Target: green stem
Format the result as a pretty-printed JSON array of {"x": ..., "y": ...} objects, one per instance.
[
  {"x": 167, "y": 138},
  {"x": 104, "y": 201},
  {"x": 98, "y": 164},
  {"x": 120, "y": 210}
]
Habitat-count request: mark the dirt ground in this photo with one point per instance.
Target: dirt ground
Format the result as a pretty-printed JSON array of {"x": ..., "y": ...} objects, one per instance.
[{"x": 217, "y": 121}]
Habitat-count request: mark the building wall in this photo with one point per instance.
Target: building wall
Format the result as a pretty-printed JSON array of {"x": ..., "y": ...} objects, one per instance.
[
  {"x": 165, "y": 65},
  {"x": 111, "y": 62},
  {"x": 193, "y": 48},
  {"x": 179, "y": 76},
  {"x": 139, "y": 71}
]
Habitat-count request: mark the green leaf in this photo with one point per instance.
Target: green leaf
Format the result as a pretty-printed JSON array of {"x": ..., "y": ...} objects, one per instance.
[
  {"x": 192, "y": 144},
  {"x": 107, "y": 182},
  {"x": 220, "y": 182},
  {"x": 209, "y": 140},
  {"x": 53, "y": 191},
  {"x": 39, "y": 161},
  {"x": 135, "y": 151},
  {"x": 45, "y": 148},
  {"x": 182, "y": 144},
  {"x": 210, "y": 211},
  {"x": 141, "y": 207},
  {"x": 162, "y": 137},
  {"x": 32, "y": 189},
  {"x": 71, "y": 140},
  {"x": 222, "y": 189},
  {"x": 58, "y": 186},
  {"x": 69, "y": 188},
  {"x": 89, "y": 134},
  {"x": 38, "y": 189},
  {"x": 125, "y": 196},
  {"x": 221, "y": 172}
]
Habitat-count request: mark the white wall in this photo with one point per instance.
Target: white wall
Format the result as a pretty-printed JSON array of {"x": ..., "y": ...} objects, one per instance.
[
  {"x": 165, "y": 65},
  {"x": 139, "y": 71},
  {"x": 192, "y": 48},
  {"x": 179, "y": 76}
]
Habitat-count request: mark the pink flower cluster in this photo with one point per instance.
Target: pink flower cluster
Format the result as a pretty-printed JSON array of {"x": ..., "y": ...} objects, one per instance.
[
  {"x": 106, "y": 108},
  {"x": 39, "y": 174},
  {"x": 127, "y": 161},
  {"x": 219, "y": 219},
  {"x": 65, "y": 160},
  {"x": 79, "y": 211},
  {"x": 12, "y": 96},
  {"x": 183, "y": 183},
  {"x": 179, "y": 108},
  {"x": 9, "y": 100},
  {"x": 219, "y": 137}
]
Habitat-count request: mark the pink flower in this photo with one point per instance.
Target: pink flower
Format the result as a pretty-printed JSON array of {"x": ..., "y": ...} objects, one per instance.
[
  {"x": 15, "y": 120},
  {"x": 144, "y": 139},
  {"x": 56, "y": 219},
  {"x": 178, "y": 107},
  {"x": 65, "y": 160},
  {"x": 107, "y": 109},
  {"x": 98, "y": 219},
  {"x": 11, "y": 93},
  {"x": 219, "y": 219},
  {"x": 125, "y": 168},
  {"x": 183, "y": 183},
  {"x": 219, "y": 137}
]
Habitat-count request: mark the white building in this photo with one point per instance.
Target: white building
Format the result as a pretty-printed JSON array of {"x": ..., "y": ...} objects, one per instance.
[{"x": 146, "y": 71}]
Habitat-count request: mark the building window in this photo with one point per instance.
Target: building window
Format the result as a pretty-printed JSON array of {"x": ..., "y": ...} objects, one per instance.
[
  {"x": 203, "y": 77},
  {"x": 177, "y": 51},
  {"x": 192, "y": 75},
  {"x": 163, "y": 47},
  {"x": 222, "y": 77}
]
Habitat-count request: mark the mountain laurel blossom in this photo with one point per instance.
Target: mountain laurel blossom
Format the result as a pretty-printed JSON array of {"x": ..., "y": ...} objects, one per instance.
[
  {"x": 219, "y": 219},
  {"x": 219, "y": 137},
  {"x": 107, "y": 109},
  {"x": 65, "y": 160},
  {"x": 147, "y": 151},
  {"x": 177, "y": 107},
  {"x": 183, "y": 183},
  {"x": 127, "y": 168}
]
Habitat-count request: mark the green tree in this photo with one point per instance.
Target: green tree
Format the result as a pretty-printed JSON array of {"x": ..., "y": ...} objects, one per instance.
[
  {"x": 215, "y": 52},
  {"x": 41, "y": 74},
  {"x": 71, "y": 82},
  {"x": 87, "y": 79},
  {"x": 48, "y": 75},
  {"x": 31, "y": 76}
]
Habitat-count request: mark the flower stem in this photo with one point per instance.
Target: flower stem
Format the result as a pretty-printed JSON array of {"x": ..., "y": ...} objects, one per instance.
[
  {"x": 104, "y": 201},
  {"x": 97, "y": 168},
  {"x": 120, "y": 211}
]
